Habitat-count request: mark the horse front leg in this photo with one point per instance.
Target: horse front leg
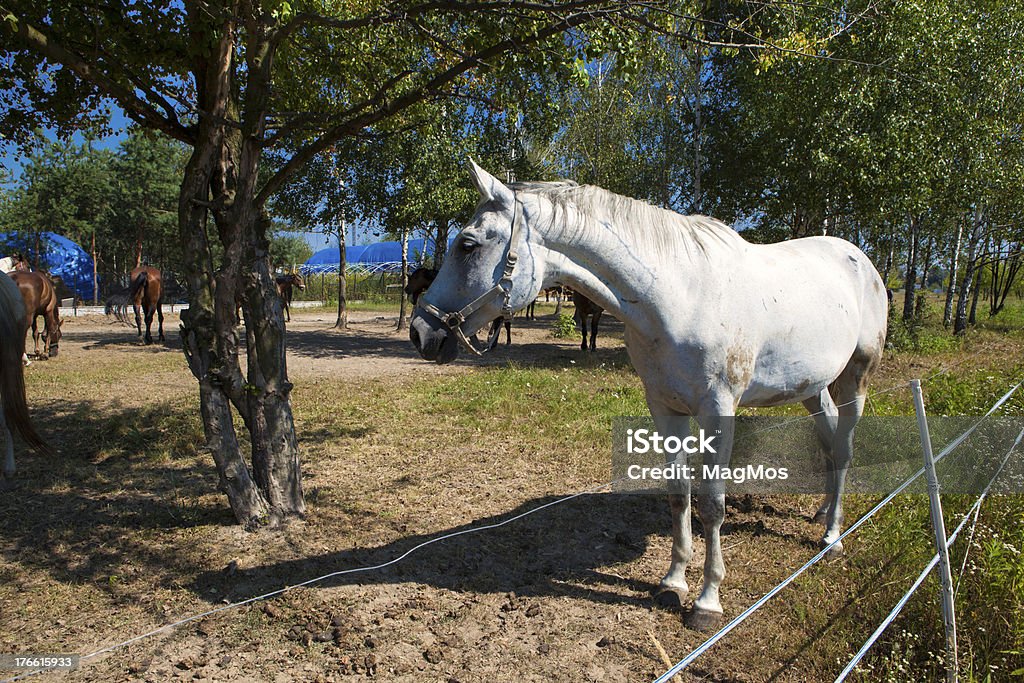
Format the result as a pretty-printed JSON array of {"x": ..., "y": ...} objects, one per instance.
[
  {"x": 719, "y": 423},
  {"x": 160, "y": 316},
  {"x": 673, "y": 588},
  {"x": 35, "y": 337},
  {"x": 593, "y": 330}
]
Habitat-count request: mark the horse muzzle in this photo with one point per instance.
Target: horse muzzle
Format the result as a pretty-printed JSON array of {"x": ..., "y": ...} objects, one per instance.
[{"x": 433, "y": 342}]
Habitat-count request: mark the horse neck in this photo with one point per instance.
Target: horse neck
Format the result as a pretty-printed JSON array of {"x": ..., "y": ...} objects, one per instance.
[{"x": 619, "y": 274}]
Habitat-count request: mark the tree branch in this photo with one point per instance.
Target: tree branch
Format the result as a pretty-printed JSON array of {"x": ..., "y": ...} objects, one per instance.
[
  {"x": 137, "y": 108},
  {"x": 386, "y": 108}
]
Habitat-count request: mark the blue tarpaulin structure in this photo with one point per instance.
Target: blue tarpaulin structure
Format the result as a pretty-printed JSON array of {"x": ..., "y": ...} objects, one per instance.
[
  {"x": 382, "y": 256},
  {"x": 57, "y": 255}
]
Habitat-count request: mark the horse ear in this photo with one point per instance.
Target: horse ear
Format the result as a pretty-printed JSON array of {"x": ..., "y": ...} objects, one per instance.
[{"x": 489, "y": 187}]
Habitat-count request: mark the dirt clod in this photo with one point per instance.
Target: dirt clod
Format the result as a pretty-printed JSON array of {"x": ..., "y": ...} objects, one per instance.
[{"x": 433, "y": 655}]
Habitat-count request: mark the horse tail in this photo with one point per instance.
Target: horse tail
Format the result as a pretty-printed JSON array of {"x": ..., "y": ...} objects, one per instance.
[
  {"x": 138, "y": 283},
  {"x": 12, "y": 372}
]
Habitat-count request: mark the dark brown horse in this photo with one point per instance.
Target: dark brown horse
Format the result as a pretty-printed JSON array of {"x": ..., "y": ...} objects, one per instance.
[
  {"x": 585, "y": 308},
  {"x": 421, "y": 278},
  {"x": 284, "y": 288},
  {"x": 146, "y": 290},
  {"x": 14, "y": 413},
  {"x": 40, "y": 299}
]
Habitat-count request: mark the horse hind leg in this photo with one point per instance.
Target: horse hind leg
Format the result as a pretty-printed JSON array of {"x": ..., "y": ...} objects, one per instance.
[
  {"x": 138, "y": 318},
  {"x": 160, "y": 316},
  {"x": 825, "y": 415},
  {"x": 149, "y": 325},
  {"x": 849, "y": 392}
]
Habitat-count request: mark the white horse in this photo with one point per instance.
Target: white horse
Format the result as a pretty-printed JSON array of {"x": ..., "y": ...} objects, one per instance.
[
  {"x": 712, "y": 323},
  {"x": 13, "y": 408}
]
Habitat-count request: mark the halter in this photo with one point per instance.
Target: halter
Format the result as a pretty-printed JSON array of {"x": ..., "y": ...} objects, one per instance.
[{"x": 453, "y": 321}]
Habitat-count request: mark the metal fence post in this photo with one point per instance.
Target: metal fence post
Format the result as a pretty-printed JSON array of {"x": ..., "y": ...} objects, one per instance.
[{"x": 939, "y": 527}]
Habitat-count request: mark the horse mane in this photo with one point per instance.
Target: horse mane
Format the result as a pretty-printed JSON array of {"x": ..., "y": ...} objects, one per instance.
[{"x": 633, "y": 220}]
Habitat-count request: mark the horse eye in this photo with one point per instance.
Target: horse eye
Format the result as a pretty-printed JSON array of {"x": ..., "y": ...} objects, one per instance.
[{"x": 469, "y": 245}]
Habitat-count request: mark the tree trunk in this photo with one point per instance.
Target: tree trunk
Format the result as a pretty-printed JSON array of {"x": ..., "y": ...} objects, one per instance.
[
  {"x": 342, "y": 322},
  {"x": 960, "y": 322},
  {"x": 910, "y": 281},
  {"x": 926, "y": 262},
  {"x": 972, "y": 319},
  {"x": 889, "y": 258},
  {"x": 441, "y": 243},
  {"x": 947, "y": 312},
  {"x": 220, "y": 180},
  {"x": 698, "y": 129},
  {"x": 402, "y": 324},
  {"x": 95, "y": 273}
]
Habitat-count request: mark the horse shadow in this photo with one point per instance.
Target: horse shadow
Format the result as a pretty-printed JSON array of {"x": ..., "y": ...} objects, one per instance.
[
  {"x": 363, "y": 343},
  {"x": 129, "y": 339},
  {"x": 563, "y": 550}
]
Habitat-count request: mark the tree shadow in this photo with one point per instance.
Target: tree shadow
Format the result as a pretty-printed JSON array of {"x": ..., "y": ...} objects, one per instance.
[{"x": 111, "y": 470}]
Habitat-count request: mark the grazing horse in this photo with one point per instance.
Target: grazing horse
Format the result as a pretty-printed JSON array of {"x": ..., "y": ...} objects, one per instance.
[
  {"x": 12, "y": 263},
  {"x": 13, "y": 407},
  {"x": 40, "y": 299},
  {"x": 585, "y": 308},
  {"x": 712, "y": 323},
  {"x": 421, "y": 279},
  {"x": 146, "y": 290},
  {"x": 284, "y": 289}
]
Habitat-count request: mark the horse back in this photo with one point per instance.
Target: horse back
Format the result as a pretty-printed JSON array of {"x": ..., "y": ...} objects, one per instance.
[{"x": 37, "y": 293}]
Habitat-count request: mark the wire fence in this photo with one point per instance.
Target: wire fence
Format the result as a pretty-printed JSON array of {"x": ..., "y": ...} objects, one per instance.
[{"x": 749, "y": 611}]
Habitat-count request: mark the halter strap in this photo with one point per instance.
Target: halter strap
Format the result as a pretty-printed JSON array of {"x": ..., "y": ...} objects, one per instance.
[{"x": 453, "y": 321}]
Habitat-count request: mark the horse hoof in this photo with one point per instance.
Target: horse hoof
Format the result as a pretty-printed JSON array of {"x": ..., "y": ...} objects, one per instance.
[
  {"x": 835, "y": 552},
  {"x": 702, "y": 620},
  {"x": 670, "y": 598}
]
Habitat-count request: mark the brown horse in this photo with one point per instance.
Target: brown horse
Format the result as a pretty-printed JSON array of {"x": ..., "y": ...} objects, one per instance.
[
  {"x": 14, "y": 411},
  {"x": 421, "y": 278},
  {"x": 146, "y": 290},
  {"x": 585, "y": 308},
  {"x": 284, "y": 289},
  {"x": 40, "y": 299}
]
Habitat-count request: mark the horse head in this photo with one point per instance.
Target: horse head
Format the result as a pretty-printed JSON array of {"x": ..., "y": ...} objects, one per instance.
[{"x": 490, "y": 271}]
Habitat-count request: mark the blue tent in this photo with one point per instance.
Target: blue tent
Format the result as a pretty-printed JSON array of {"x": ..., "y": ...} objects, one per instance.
[
  {"x": 379, "y": 256},
  {"x": 58, "y": 255}
]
